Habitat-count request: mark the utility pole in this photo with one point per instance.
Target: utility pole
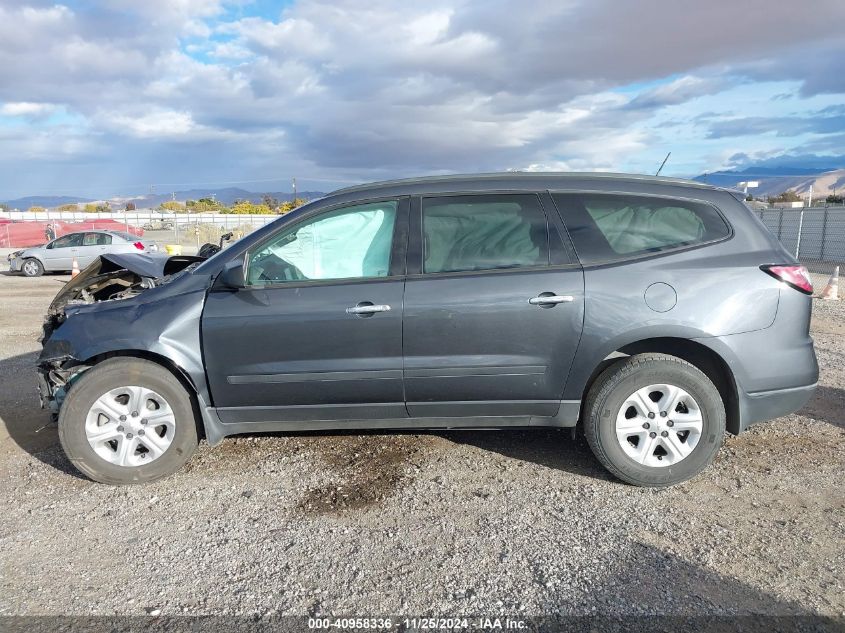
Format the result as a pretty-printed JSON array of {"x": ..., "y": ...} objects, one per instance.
[{"x": 294, "y": 189}]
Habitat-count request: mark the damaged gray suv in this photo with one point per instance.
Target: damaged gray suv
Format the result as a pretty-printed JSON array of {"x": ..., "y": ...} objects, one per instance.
[{"x": 654, "y": 314}]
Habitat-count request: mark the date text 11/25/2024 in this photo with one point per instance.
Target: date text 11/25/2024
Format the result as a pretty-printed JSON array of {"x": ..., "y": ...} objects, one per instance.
[{"x": 418, "y": 624}]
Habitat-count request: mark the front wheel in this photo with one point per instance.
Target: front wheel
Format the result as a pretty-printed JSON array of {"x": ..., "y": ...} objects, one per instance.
[
  {"x": 127, "y": 421},
  {"x": 654, "y": 420},
  {"x": 32, "y": 268}
]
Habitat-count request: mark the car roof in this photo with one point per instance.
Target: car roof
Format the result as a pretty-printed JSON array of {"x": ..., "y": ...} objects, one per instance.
[
  {"x": 515, "y": 180},
  {"x": 106, "y": 231}
]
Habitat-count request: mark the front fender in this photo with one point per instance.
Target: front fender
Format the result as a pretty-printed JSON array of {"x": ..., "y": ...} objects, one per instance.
[{"x": 169, "y": 328}]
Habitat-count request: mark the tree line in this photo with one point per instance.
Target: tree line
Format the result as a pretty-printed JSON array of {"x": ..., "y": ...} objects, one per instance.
[{"x": 268, "y": 206}]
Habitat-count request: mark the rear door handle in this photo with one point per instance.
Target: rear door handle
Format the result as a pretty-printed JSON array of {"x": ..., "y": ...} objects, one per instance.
[
  {"x": 550, "y": 299},
  {"x": 368, "y": 308}
]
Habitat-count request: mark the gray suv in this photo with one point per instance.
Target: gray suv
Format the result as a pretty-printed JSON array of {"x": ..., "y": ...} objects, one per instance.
[{"x": 654, "y": 314}]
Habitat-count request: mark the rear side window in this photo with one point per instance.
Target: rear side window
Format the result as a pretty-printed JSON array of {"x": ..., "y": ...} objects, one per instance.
[
  {"x": 484, "y": 232},
  {"x": 608, "y": 227},
  {"x": 96, "y": 239}
]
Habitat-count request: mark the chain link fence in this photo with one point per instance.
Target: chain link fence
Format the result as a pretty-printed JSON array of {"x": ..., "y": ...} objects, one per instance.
[
  {"x": 188, "y": 231},
  {"x": 815, "y": 235}
]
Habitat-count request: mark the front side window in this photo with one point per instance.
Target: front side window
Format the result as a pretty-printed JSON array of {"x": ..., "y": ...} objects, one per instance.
[
  {"x": 72, "y": 239},
  {"x": 483, "y": 232},
  {"x": 608, "y": 227},
  {"x": 352, "y": 242}
]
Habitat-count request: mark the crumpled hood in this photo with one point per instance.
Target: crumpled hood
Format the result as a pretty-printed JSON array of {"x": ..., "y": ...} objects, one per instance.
[
  {"x": 153, "y": 265},
  {"x": 117, "y": 265}
]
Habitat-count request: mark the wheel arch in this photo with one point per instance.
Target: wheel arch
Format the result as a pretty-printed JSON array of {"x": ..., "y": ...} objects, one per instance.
[
  {"x": 36, "y": 257},
  {"x": 702, "y": 357},
  {"x": 178, "y": 372}
]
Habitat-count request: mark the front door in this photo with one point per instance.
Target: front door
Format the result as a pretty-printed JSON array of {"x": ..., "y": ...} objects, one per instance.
[
  {"x": 316, "y": 334},
  {"x": 494, "y": 307},
  {"x": 60, "y": 252}
]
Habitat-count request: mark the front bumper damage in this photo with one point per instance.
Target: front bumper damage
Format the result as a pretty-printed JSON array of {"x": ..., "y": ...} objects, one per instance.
[
  {"x": 108, "y": 281},
  {"x": 54, "y": 377}
]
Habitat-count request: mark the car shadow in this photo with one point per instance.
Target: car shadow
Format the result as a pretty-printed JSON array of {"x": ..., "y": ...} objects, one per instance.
[
  {"x": 26, "y": 424},
  {"x": 61, "y": 276},
  {"x": 551, "y": 448},
  {"x": 827, "y": 405},
  {"x": 33, "y": 430}
]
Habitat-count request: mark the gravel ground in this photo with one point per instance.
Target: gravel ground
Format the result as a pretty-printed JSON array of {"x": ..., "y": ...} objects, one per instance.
[{"x": 482, "y": 522}]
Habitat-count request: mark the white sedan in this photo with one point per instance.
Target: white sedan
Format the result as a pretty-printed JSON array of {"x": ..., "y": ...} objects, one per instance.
[{"x": 84, "y": 246}]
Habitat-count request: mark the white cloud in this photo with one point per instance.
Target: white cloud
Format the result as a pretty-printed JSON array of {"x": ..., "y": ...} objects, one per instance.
[
  {"x": 385, "y": 88},
  {"x": 27, "y": 109},
  {"x": 152, "y": 124}
]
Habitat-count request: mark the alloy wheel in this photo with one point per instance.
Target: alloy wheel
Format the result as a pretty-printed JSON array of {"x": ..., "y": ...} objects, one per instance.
[
  {"x": 130, "y": 426},
  {"x": 659, "y": 425}
]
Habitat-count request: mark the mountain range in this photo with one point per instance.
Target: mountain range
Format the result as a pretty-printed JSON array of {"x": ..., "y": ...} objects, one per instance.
[
  {"x": 226, "y": 196},
  {"x": 771, "y": 182},
  {"x": 775, "y": 180}
]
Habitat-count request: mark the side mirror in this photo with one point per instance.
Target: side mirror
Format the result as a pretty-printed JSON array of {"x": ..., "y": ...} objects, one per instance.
[{"x": 232, "y": 275}]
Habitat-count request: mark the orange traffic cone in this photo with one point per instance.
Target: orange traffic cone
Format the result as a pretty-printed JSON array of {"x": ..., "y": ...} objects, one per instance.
[
  {"x": 831, "y": 290},
  {"x": 74, "y": 271}
]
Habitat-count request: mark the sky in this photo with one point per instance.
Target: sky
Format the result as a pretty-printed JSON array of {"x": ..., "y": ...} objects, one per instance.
[{"x": 116, "y": 97}]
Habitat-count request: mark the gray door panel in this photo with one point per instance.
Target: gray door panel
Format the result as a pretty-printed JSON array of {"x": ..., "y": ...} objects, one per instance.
[
  {"x": 61, "y": 258},
  {"x": 474, "y": 345},
  {"x": 299, "y": 347}
]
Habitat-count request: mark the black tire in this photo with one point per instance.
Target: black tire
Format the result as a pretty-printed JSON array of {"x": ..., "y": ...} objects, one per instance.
[
  {"x": 112, "y": 374},
  {"x": 623, "y": 378},
  {"x": 32, "y": 267}
]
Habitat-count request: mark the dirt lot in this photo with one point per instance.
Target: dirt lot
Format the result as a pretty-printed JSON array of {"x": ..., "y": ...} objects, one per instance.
[{"x": 512, "y": 522}]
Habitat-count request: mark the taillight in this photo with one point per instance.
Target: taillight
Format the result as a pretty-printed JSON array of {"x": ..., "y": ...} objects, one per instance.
[
  {"x": 139, "y": 245},
  {"x": 795, "y": 276}
]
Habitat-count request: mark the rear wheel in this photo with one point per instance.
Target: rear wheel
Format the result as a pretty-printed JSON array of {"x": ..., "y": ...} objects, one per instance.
[
  {"x": 127, "y": 421},
  {"x": 32, "y": 268},
  {"x": 654, "y": 420}
]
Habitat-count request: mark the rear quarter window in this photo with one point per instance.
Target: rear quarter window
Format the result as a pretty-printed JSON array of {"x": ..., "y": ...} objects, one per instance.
[{"x": 611, "y": 227}]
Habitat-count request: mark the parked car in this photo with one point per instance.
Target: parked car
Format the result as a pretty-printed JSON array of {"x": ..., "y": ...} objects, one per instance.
[
  {"x": 158, "y": 225},
  {"x": 654, "y": 314},
  {"x": 84, "y": 246}
]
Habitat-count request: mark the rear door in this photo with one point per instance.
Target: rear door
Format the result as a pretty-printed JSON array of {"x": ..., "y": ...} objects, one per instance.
[
  {"x": 93, "y": 245},
  {"x": 494, "y": 305}
]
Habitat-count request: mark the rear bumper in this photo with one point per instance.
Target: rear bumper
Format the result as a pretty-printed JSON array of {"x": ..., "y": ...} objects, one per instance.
[{"x": 768, "y": 405}]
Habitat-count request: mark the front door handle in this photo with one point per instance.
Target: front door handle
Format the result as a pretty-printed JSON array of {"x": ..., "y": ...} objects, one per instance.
[
  {"x": 550, "y": 299},
  {"x": 366, "y": 308}
]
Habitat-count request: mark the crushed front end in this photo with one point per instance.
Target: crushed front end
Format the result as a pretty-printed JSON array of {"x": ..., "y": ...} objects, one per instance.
[{"x": 111, "y": 279}]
